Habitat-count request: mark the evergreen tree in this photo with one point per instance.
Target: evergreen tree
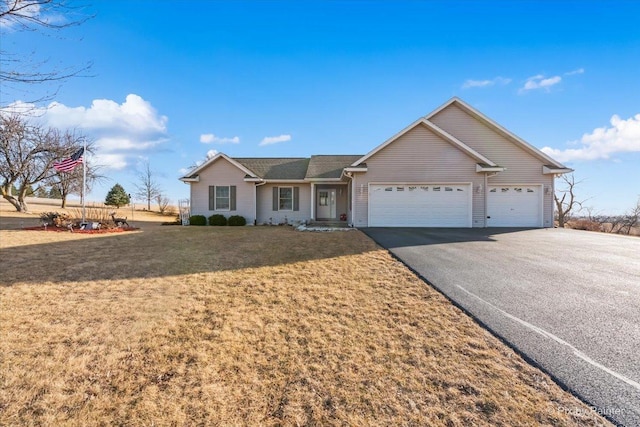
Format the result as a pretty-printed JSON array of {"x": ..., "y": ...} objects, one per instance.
[
  {"x": 117, "y": 197},
  {"x": 54, "y": 193}
]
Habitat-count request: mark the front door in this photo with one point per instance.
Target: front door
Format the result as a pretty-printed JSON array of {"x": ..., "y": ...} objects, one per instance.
[{"x": 327, "y": 204}]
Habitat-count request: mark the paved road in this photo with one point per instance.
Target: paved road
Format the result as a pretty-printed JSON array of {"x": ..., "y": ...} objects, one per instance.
[{"x": 567, "y": 299}]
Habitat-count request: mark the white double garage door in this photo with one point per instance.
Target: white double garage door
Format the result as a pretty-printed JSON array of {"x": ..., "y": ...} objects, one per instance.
[{"x": 451, "y": 205}]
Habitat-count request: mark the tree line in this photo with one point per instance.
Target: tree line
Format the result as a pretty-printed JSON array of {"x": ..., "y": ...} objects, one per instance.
[
  {"x": 570, "y": 211},
  {"x": 27, "y": 153}
]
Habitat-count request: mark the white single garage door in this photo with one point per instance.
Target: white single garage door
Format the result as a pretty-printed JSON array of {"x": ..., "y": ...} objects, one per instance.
[
  {"x": 514, "y": 206},
  {"x": 420, "y": 205}
]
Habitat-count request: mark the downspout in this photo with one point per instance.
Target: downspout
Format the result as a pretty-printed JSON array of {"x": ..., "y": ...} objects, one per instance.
[{"x": 313, "y": 201}]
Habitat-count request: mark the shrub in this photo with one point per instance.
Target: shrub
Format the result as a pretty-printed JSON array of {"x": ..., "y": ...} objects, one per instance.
[
  {"x": 217, "y": 219},
  {"x": 197, "y": 220},
  {"x": 585, "y": 224},
  {"x": 237, "y": 220}
]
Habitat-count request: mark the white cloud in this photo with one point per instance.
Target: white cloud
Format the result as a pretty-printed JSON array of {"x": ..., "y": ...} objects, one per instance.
[
  {"x": 211, "y": 153},
  {"x": 622, "y": 136},
  {"x": 111, "y": 161},
  {"x": 119, "y": 130},
  {"x": 134, "y": 115},
  {"x": 540, "y": 82},
  {"x": 268, "y": 140},
  {"x": 209, "y": 138},
  {"x": 574, "y": 72},
  {"x": 484, "y": 83}
]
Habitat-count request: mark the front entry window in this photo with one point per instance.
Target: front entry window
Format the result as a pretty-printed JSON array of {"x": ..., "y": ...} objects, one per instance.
[{"x": 323, "y": 198}]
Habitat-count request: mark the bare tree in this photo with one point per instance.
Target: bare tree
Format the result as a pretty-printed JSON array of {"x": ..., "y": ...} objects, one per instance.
[
  {"x": 20, "y": 69},
  {"x": 623, "y": 224},
  {"x": 147, "y": 188},
  {"x": 565, "y": 199},
  {"x": 27, "y": 154},
  {"x": 163, "y": 203}
]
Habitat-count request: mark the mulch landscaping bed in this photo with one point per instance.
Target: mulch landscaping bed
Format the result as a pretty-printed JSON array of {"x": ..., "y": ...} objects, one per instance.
[{"x": 77, "y": 230}]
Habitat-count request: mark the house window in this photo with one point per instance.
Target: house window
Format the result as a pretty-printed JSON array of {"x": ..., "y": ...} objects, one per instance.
[
  {"x": 285, "y": 198},
  {"x": 223, "y": 197}
]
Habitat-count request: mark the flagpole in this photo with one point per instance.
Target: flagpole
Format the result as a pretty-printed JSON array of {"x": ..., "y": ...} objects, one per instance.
[{"x": 84, "y": 177}]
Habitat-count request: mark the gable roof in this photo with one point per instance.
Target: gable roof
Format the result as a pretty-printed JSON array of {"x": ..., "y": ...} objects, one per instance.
[
  {"x": 438, "y": 131},
  {"x": 285, "y": 168},
  {"x": 192, "y": 173},
  {"x": 328, "y": 166},
  {"x": 498, "y": 128}
]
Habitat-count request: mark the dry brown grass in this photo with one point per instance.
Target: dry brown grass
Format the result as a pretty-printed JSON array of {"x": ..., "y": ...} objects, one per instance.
[{"x": 246, "y": 326}]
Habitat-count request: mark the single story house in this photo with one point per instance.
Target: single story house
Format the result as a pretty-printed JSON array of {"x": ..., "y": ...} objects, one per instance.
[{"x": 453, "y": 168}]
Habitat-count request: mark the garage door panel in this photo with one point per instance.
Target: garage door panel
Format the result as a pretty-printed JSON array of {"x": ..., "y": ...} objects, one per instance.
[
  {"x": 420, "y": 205},
  {"x": 514, "y": 206}
]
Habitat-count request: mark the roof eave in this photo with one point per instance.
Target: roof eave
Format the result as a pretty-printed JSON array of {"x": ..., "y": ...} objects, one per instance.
[
  {"x": 548, "y": 170},
  {"x": 284, "y": 181},
  {"x": 187, "y": 179},
  {"x": 321, "y": 179},
  {"x": 483, "y": 168}
]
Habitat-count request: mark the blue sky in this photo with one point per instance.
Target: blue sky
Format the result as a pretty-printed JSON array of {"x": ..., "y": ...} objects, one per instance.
[{"x": 172, "y": 81}]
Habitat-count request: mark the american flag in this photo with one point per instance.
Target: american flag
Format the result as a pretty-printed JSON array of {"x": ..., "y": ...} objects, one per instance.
[{"x": 67, "y": 165}]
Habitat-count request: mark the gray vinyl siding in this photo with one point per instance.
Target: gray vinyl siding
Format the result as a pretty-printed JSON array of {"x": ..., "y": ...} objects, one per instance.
[
  {"x": 265, "y": 204},
  {"x": 221, "y": 172},
  {"x": 418, "y": 156},
  {"x": 522, "y": 167}
]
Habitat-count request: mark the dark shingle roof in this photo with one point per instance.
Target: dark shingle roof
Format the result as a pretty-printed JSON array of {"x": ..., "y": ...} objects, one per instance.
[
  {"x": 276, "y": 168},
  {"x": 329, "y": 166}
]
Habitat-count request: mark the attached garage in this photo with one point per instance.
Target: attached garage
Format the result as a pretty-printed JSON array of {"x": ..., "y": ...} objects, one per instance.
[
  {"x": 420, "y": 205},
  {"x": 514, "y": 206}
]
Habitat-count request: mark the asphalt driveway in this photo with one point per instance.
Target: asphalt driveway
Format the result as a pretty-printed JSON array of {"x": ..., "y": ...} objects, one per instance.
[{"x": 568, "y": 300}]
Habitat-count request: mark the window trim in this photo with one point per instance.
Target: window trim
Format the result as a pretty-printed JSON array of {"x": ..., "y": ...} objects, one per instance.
[
  {"x": 215, "y": 198},
  {"x": 280, "y": 198}
]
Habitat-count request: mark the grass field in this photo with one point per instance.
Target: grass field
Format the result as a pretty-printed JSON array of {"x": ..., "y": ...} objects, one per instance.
[{"x": 175, "y": 325}]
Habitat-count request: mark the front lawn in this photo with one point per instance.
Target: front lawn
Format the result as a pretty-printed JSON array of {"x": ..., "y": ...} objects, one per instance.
[{"x": 246, "y": 326}]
